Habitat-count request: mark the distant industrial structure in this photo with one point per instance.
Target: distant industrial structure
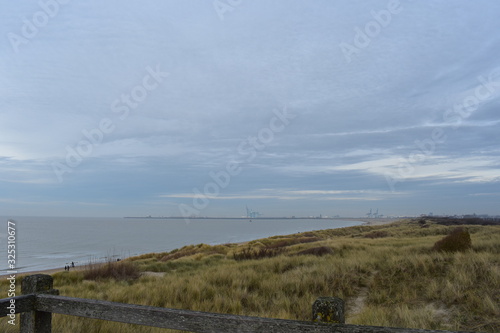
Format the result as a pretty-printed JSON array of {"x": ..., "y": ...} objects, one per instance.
[
  {"x": 252, "y": 214},
  {"x": 375, "y": 215}
]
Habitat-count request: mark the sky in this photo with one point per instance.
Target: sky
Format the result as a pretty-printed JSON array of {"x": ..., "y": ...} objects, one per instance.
[{"x": 292, "y": 108}]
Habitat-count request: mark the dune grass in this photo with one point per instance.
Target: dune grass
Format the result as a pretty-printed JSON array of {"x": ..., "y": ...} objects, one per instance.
[{"x": 389, "y": 275}]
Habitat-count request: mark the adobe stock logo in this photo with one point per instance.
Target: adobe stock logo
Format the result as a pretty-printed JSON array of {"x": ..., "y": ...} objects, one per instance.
[
  {"x": 223, "y": 6},
  {"x": 373, "y": 28},
  {"x": 488, "y": 88},
  {"x": 40, "y": 19}
]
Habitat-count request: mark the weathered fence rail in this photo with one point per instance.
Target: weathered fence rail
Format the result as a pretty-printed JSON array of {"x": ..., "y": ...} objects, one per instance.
[{"x": 36, "y": 315}]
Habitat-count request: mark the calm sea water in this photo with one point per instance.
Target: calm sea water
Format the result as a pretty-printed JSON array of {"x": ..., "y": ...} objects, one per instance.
[{"x": 51, "y": 242}]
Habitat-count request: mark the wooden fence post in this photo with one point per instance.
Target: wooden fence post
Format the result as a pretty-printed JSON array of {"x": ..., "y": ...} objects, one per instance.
[
  {"x": 328, "y": 310},
  {"x": 37, "y": 321}
]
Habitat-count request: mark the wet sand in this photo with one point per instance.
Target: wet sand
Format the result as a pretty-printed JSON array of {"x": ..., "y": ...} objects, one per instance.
[{"x": 45, "y": 271}]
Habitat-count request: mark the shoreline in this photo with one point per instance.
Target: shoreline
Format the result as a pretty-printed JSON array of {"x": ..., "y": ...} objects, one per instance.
[
  {"x": 51, "y": 271},
  {"x": 48, "y": 271}
]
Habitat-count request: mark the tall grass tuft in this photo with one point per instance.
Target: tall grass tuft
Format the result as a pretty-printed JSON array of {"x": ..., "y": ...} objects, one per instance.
[
  {"x": 117, "y": 270},
  {"x": 249, "y": 254},
  {"x": 316, "y": 251}
]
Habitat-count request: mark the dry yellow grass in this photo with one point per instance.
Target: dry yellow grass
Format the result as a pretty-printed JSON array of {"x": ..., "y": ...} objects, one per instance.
[{"x": 389, "y": 275}]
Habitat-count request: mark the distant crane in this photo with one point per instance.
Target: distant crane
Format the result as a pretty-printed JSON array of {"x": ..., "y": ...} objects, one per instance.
[
  {"x": 252, "y": 214},
  {"x": 374, "y": 215},
  {"x": 377, "y": 215}
]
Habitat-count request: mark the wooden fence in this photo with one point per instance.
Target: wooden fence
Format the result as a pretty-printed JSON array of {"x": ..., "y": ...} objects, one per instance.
[{"x": 40, "y": 301}]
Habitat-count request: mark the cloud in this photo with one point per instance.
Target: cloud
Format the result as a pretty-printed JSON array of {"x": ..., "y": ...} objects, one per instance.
[
  {"x": 284, "y": 194},
  {"x": 356, "y": 122}
]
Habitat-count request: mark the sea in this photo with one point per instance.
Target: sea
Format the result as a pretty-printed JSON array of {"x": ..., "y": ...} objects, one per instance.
[{"x": 53, "y": 242}]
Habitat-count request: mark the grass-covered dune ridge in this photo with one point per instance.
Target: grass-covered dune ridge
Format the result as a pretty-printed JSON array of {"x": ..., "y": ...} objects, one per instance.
[{"x": 389, "y": 275}]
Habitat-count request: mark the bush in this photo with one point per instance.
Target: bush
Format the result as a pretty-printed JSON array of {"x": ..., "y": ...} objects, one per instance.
[
  {"x": 377, "y": 234},
  {"x": 457, "y": 240},
  {"x": 118, "y": 270},
  {"x": 317, "y": 251}
]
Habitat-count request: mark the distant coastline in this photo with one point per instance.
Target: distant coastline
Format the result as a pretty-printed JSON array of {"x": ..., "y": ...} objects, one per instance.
[
  {"x": 366, "y": 221},
  {"x": 362, "y": 219},
  {"x": 236, "y": 218}
]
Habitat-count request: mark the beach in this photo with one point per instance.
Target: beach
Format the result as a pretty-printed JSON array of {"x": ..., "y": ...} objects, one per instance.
[{"x": 50, "y": 271}]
